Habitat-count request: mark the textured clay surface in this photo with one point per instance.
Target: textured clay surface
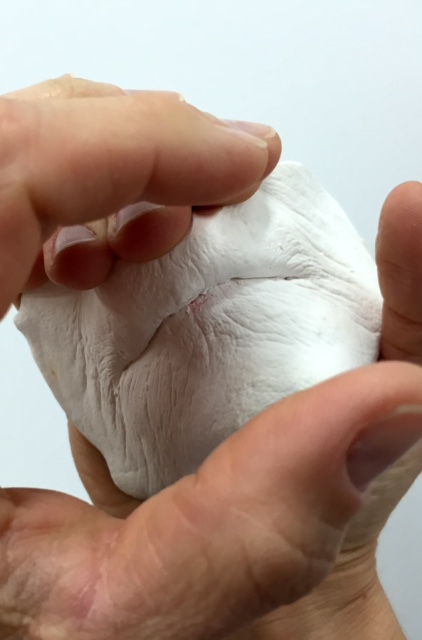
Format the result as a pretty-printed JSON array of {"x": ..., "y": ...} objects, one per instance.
[{"x": 166, "y": 359}]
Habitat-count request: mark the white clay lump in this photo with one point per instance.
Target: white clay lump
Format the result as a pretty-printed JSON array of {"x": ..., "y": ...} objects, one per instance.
[{"x": 166, "y": 359}]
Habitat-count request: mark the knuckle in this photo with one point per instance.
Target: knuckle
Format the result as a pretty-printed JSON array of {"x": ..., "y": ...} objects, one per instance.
[
  {"x": 69, "y": 87},
  {"x": 281, "y": 565},
  {"x": 63, "y": 87}
]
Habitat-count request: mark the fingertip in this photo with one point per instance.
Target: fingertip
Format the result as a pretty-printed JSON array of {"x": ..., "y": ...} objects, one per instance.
[
  {"x": 398, "y": 256},
  {"x": 74, "y": 264},
  {"x": 403, "y": 203},
  {"x": 399, "y": 239},
  {"x": 262, "y": 137},
  {"x": 275, "y": 148},
  {"x": 245, "y": 196},
  {"x": 406, "y": 190},
  {"x": 400, "y": 222},
  {"x": 274, "y": 153},
  {"x": 144, "y": 231},
  {"x": 224, "y": 162},
  {"x": 266, "y": 138}
]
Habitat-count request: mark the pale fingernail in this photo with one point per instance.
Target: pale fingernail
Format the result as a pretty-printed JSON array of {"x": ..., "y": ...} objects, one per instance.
[
  {"x": 246, "y": 137},
  {"x": 170, "y": 94},
  {"x": 256, "y": 129},
  {"x": 132, "y": 212},
  {"x": 383, "y": 444},
  {"x": 69, "y": 236}
]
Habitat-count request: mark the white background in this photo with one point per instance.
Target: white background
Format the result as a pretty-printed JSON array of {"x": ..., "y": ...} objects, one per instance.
[{"x": 341, "y": 81}]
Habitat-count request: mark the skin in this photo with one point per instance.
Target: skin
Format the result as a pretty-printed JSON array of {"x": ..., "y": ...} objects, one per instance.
[{"x": 264, "y": 519}]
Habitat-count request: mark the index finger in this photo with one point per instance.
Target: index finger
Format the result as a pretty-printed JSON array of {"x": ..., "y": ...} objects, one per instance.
[{"x": 68, "y": 162}]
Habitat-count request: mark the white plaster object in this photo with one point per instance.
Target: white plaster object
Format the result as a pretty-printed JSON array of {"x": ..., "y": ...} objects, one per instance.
[{"x": 166, "y": 359}]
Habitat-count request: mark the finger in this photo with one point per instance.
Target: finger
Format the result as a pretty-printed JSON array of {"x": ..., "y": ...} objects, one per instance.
[
  {"x": 386, "y": 492},
  {"x": 241, "y": 198},
  {"x": 66, "y": 162},
  {"x": 138, "y": 233},
  {"x": 260, "y": 523},
  {"x": 68, "y": 86},
  {"x": 95, "y": 476},
  {"x": 213, "y": 209},
  {"x": 269, "y": 135},
  {"x": 38, "y": 275},
  {"x": 65, "y": 87},
  {"x": 36, "y": 278},
  {"x": 84, "y": 265},
  {"x": 399, "y": 252},
  {"x": 173, "y": 154},
  {"x": 145, "y": 231},
  {"x": 79, "y": 257}
]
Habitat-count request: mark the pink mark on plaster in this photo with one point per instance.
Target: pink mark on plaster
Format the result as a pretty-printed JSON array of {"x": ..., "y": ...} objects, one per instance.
[{"x": 197, "y": 304}]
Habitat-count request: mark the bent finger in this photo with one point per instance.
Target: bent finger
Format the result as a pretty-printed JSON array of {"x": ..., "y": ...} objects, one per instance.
[
  {"x": 67, "y": 162},
  {"x": 144, "y": 231},
  {"x": 79, "y": 257},
  {"x": 95, "y": 476}
]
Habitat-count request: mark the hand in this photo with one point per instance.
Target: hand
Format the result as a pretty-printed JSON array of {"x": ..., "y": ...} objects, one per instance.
[
  {"x": 352, "y": 598},
  {"x": 169, "y": 153},
  {"x": 399, "y": 248},
  {"x": 261, "y": 521}
]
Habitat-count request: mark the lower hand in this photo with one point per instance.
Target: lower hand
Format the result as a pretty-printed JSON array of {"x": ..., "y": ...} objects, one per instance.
[
  {"x": 352, "y": 601},
  {"x": 354, "y": 578}
]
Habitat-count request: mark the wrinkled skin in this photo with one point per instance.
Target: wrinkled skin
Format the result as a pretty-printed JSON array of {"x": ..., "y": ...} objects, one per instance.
[{"x": 69, "y": 570}]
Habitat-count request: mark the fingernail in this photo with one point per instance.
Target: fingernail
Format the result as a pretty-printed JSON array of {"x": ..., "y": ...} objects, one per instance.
[
  {"x": 69, "y": 236},
  {"x": 132, "y": 212},
  {"x": 246, "y": 137},
  {"x": 251, "y": 132},
  {"x": 384, "y": 444},
  {"x": 256, "y": 129}
]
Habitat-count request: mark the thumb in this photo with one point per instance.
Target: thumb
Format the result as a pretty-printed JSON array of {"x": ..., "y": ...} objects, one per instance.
[{"x": 261, "y": 521}]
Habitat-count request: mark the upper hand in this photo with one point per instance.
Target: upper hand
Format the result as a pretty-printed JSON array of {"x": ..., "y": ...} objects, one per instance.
[{"x": 66, "y": 162}]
